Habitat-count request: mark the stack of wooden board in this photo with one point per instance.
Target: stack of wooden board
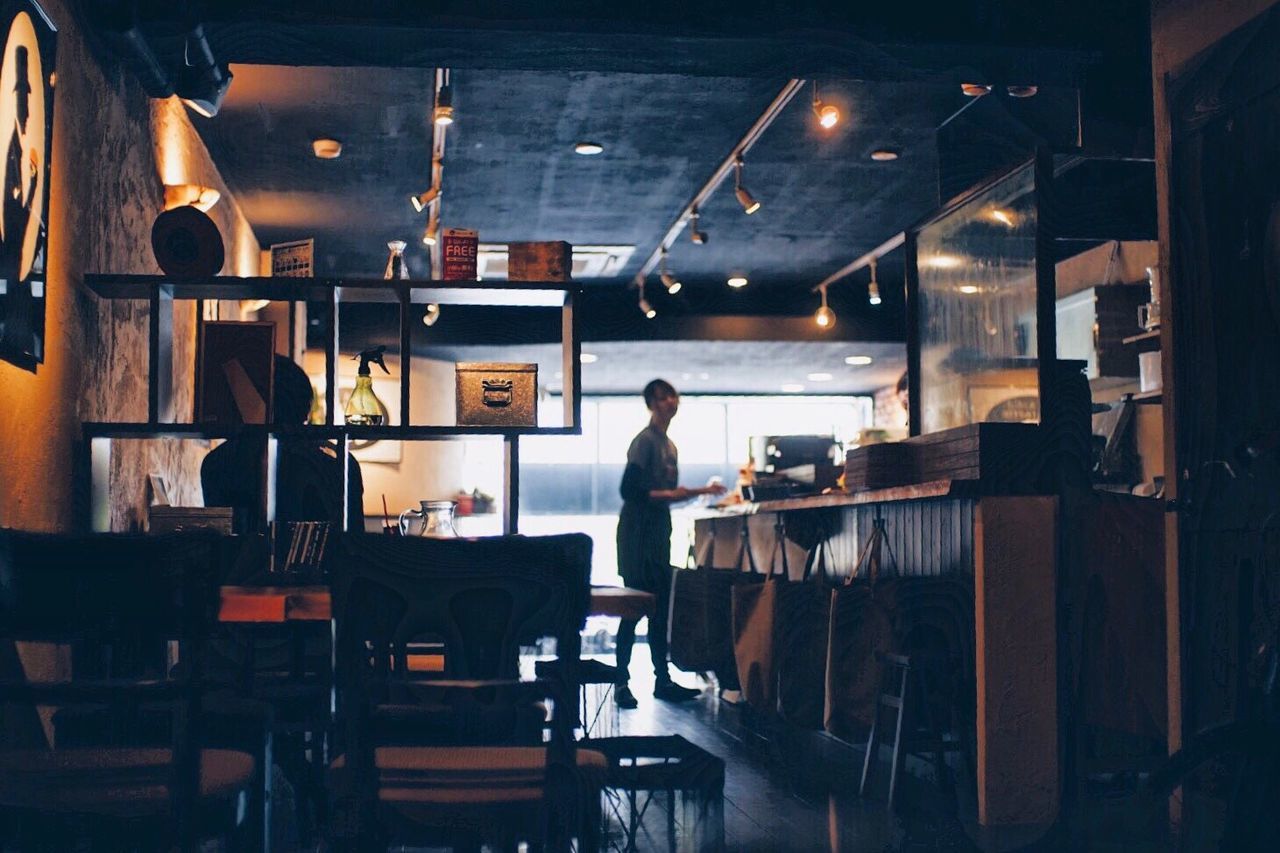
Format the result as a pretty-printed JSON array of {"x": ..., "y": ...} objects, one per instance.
[{"x": 1001, "y": 458}]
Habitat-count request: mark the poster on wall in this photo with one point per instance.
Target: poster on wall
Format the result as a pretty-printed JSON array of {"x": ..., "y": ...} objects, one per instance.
[{"x": 26, "y": 130}]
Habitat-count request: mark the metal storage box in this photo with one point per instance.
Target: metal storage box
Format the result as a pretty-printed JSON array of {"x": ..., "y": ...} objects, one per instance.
[{"x": 497, "y": 394}]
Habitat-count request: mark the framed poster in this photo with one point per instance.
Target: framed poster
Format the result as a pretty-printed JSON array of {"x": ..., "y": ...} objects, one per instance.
[{"x": 26, "y": 127}]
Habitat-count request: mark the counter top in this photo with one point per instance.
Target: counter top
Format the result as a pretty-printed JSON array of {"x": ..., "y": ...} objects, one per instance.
[{"x": 919, "y": 491}]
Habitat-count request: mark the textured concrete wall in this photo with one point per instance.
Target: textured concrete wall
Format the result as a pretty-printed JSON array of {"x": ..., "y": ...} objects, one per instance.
[{"x": 113, "y": 150}]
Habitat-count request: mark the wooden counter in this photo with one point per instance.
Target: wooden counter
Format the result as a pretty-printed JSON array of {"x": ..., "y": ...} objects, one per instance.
[{"x": 1008, "y": 546}]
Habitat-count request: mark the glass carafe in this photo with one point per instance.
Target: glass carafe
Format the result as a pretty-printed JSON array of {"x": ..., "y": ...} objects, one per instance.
[
  {"x": 396, "y": 268},
  {"x": 434, "y": 520}
]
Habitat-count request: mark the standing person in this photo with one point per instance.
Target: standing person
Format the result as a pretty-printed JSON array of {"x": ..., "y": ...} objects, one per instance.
[{"x": 649, "y": 487}]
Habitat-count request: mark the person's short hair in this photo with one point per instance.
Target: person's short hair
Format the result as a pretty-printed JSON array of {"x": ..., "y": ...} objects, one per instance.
[
  {"x": 656, "y": 387},
  {"x": 291, "y": 401}
]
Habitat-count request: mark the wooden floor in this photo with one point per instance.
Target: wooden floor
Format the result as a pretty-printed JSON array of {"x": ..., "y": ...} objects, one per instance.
[{"x": 788, "y": 792}]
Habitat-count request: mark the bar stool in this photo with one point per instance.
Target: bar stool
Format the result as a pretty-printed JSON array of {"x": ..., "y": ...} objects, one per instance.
[{"x": 921, "y": 734}]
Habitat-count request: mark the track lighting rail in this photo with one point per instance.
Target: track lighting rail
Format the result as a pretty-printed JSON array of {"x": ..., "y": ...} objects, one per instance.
[
  {"x": 726, "y": 168},
  {"x": 874, "y": 255}
]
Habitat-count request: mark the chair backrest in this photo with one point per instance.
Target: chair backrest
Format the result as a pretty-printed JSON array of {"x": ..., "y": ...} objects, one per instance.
[
  {"x": 481, "y": 598},
  {"x": 114, "y": 592}
]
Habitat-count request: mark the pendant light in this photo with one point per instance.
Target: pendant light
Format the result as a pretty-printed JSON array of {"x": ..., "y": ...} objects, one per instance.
[
  {"x": 824, "y": 316},
  {"x": 745, "y": 198}
]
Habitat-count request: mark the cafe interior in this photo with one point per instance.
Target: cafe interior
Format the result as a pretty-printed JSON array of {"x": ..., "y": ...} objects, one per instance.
[{"x": 329, "y": 327}]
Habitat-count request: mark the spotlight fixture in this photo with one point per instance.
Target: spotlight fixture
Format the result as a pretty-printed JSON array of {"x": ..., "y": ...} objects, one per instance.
[
  {"x": 588, "y": 149},
  {"x": 432, "y": 235},
  {"x": 736, "y": 281},
  {"x": 670, "y": 282},
  {"x": 828, "y": 114},
  {"x": 699, "y": 238},
  {"x": 424, "y": 198},
  {"x": 181, "y": 195},
  {"x": 432, "y": 315},
  {"x": 824, "y": 316},
  {"x": 873, "y": 287},
  {"x": 1021, "y": 91},
  {"x": 203, "y": 82},
  {"x": 326, "y": 149},
  {"x": 884, "y": 155},
  {"x": 442, "y": 115},
  {"x": 745, "y": 198},
  {"x": 975, "y": 90},
  {"x": 645, "y": 308}
]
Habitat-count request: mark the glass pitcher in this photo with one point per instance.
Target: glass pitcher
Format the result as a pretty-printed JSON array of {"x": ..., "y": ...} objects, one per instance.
[{"x": 433, "y": 520}]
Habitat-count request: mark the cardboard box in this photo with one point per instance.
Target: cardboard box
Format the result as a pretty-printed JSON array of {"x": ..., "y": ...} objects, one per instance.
[
  {"x": 497, "y": 394},
  {"x": 459, "y": 246},
  {"x": 550, "y": 260}
]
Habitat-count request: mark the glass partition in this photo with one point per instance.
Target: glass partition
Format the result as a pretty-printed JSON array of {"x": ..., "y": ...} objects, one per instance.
[{"x": 977, "y": 309}]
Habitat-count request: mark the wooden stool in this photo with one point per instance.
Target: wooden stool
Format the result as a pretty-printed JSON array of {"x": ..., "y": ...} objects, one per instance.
[{"x": 920, "y": 738}]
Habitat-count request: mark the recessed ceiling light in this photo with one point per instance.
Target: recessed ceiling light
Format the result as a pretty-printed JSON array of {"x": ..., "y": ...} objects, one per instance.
[
  {"x": 704, "y": 376},
  {"x": 737, "y": 281},
  {"x": 857, "y": 360},
  {"x": 975, "y": 90},
  {"x": 588, "y": 148},
  {"x": 968, "y": 288},
  {"x": 327, "y": 149},
  {"x": 1021, "y": 91},
  {"x": 588, "y": 358},
  {"x": 819, "y": 377},
  {"x": 884, "y": 155},
  {"x": 792, "y": 388}
]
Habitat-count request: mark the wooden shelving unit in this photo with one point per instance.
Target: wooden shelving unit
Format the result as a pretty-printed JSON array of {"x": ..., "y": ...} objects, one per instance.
[{"x": 161, "y": 291}]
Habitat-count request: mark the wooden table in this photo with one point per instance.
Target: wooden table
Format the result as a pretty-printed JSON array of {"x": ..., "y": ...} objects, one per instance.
[{"x": 257, "y": 604}]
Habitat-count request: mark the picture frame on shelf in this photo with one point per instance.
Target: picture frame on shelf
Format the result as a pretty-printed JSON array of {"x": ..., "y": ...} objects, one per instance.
[{"x": 235, "y": 373}]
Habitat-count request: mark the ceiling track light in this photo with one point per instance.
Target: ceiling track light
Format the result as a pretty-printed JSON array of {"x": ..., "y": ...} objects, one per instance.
[
  {"x": 873, "y": 287},
  {"x": 670, "y": 282},
  {"x": 699, "y": 238},
  {"x": 432, "y": 235},
  {"x": 828, "y": 115},
  {"x": 645, "y": 308},
  {"x": 824, "y": 316},
  {"x": 424, "y": 198},
  {"x": 442, "y": 114},
  {"x": 745, "y": 198}
]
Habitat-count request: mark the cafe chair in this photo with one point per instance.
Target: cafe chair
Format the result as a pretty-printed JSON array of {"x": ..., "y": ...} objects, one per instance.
[
  {"x": 483, "y": 778},
  {"x": 107, "y": 597}
]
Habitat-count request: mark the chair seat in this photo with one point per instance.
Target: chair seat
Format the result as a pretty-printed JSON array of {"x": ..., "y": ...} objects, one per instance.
[
  {"x": 111, "y": 781},
  {"x": 477, "y": 775}
]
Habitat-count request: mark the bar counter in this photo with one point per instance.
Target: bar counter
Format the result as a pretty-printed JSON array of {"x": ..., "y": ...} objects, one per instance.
[{"x": 1008, "y": 545}]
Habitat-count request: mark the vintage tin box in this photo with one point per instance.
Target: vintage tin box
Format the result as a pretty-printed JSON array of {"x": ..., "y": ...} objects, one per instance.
[{"x": 497, "y": 394}]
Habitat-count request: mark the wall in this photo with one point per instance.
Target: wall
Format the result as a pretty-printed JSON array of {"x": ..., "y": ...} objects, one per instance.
[
  {"x": 1180, "y": 29},
  {"x": 113, "y": 148}
]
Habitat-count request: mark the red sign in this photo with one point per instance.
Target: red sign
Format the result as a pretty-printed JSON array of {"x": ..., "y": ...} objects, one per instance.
[{"x": 460, "y": 245}]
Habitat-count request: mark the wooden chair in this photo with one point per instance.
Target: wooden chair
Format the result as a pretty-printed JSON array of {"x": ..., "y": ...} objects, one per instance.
[
  {"x": 108, "y": 596},
  {"x": 484, "y": 780}
]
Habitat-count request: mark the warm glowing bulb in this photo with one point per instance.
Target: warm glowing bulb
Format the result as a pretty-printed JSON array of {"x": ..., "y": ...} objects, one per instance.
[
  {"x": 737, "y": 281},
  {"x": 968, "y": 288},
  {"x": 588, "y": 149},
  {"x": 824, "y": 317},
  {"x": 588, "y": 358},
  {"x": 647, "y": 309},
  {"x": 443, "y": 116},
  {"x": 1003, "y": 217},
  {"x": 873, "y": 293},
  {"x": 943, "y": 262},
  {"x": 828, "y": 116},
  {"x": 670, "y": 282},
  {"x": 857, "y": 360}
]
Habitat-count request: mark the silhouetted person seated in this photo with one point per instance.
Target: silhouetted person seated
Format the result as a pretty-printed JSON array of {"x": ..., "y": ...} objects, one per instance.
[{"x": 308, "y": 472}]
